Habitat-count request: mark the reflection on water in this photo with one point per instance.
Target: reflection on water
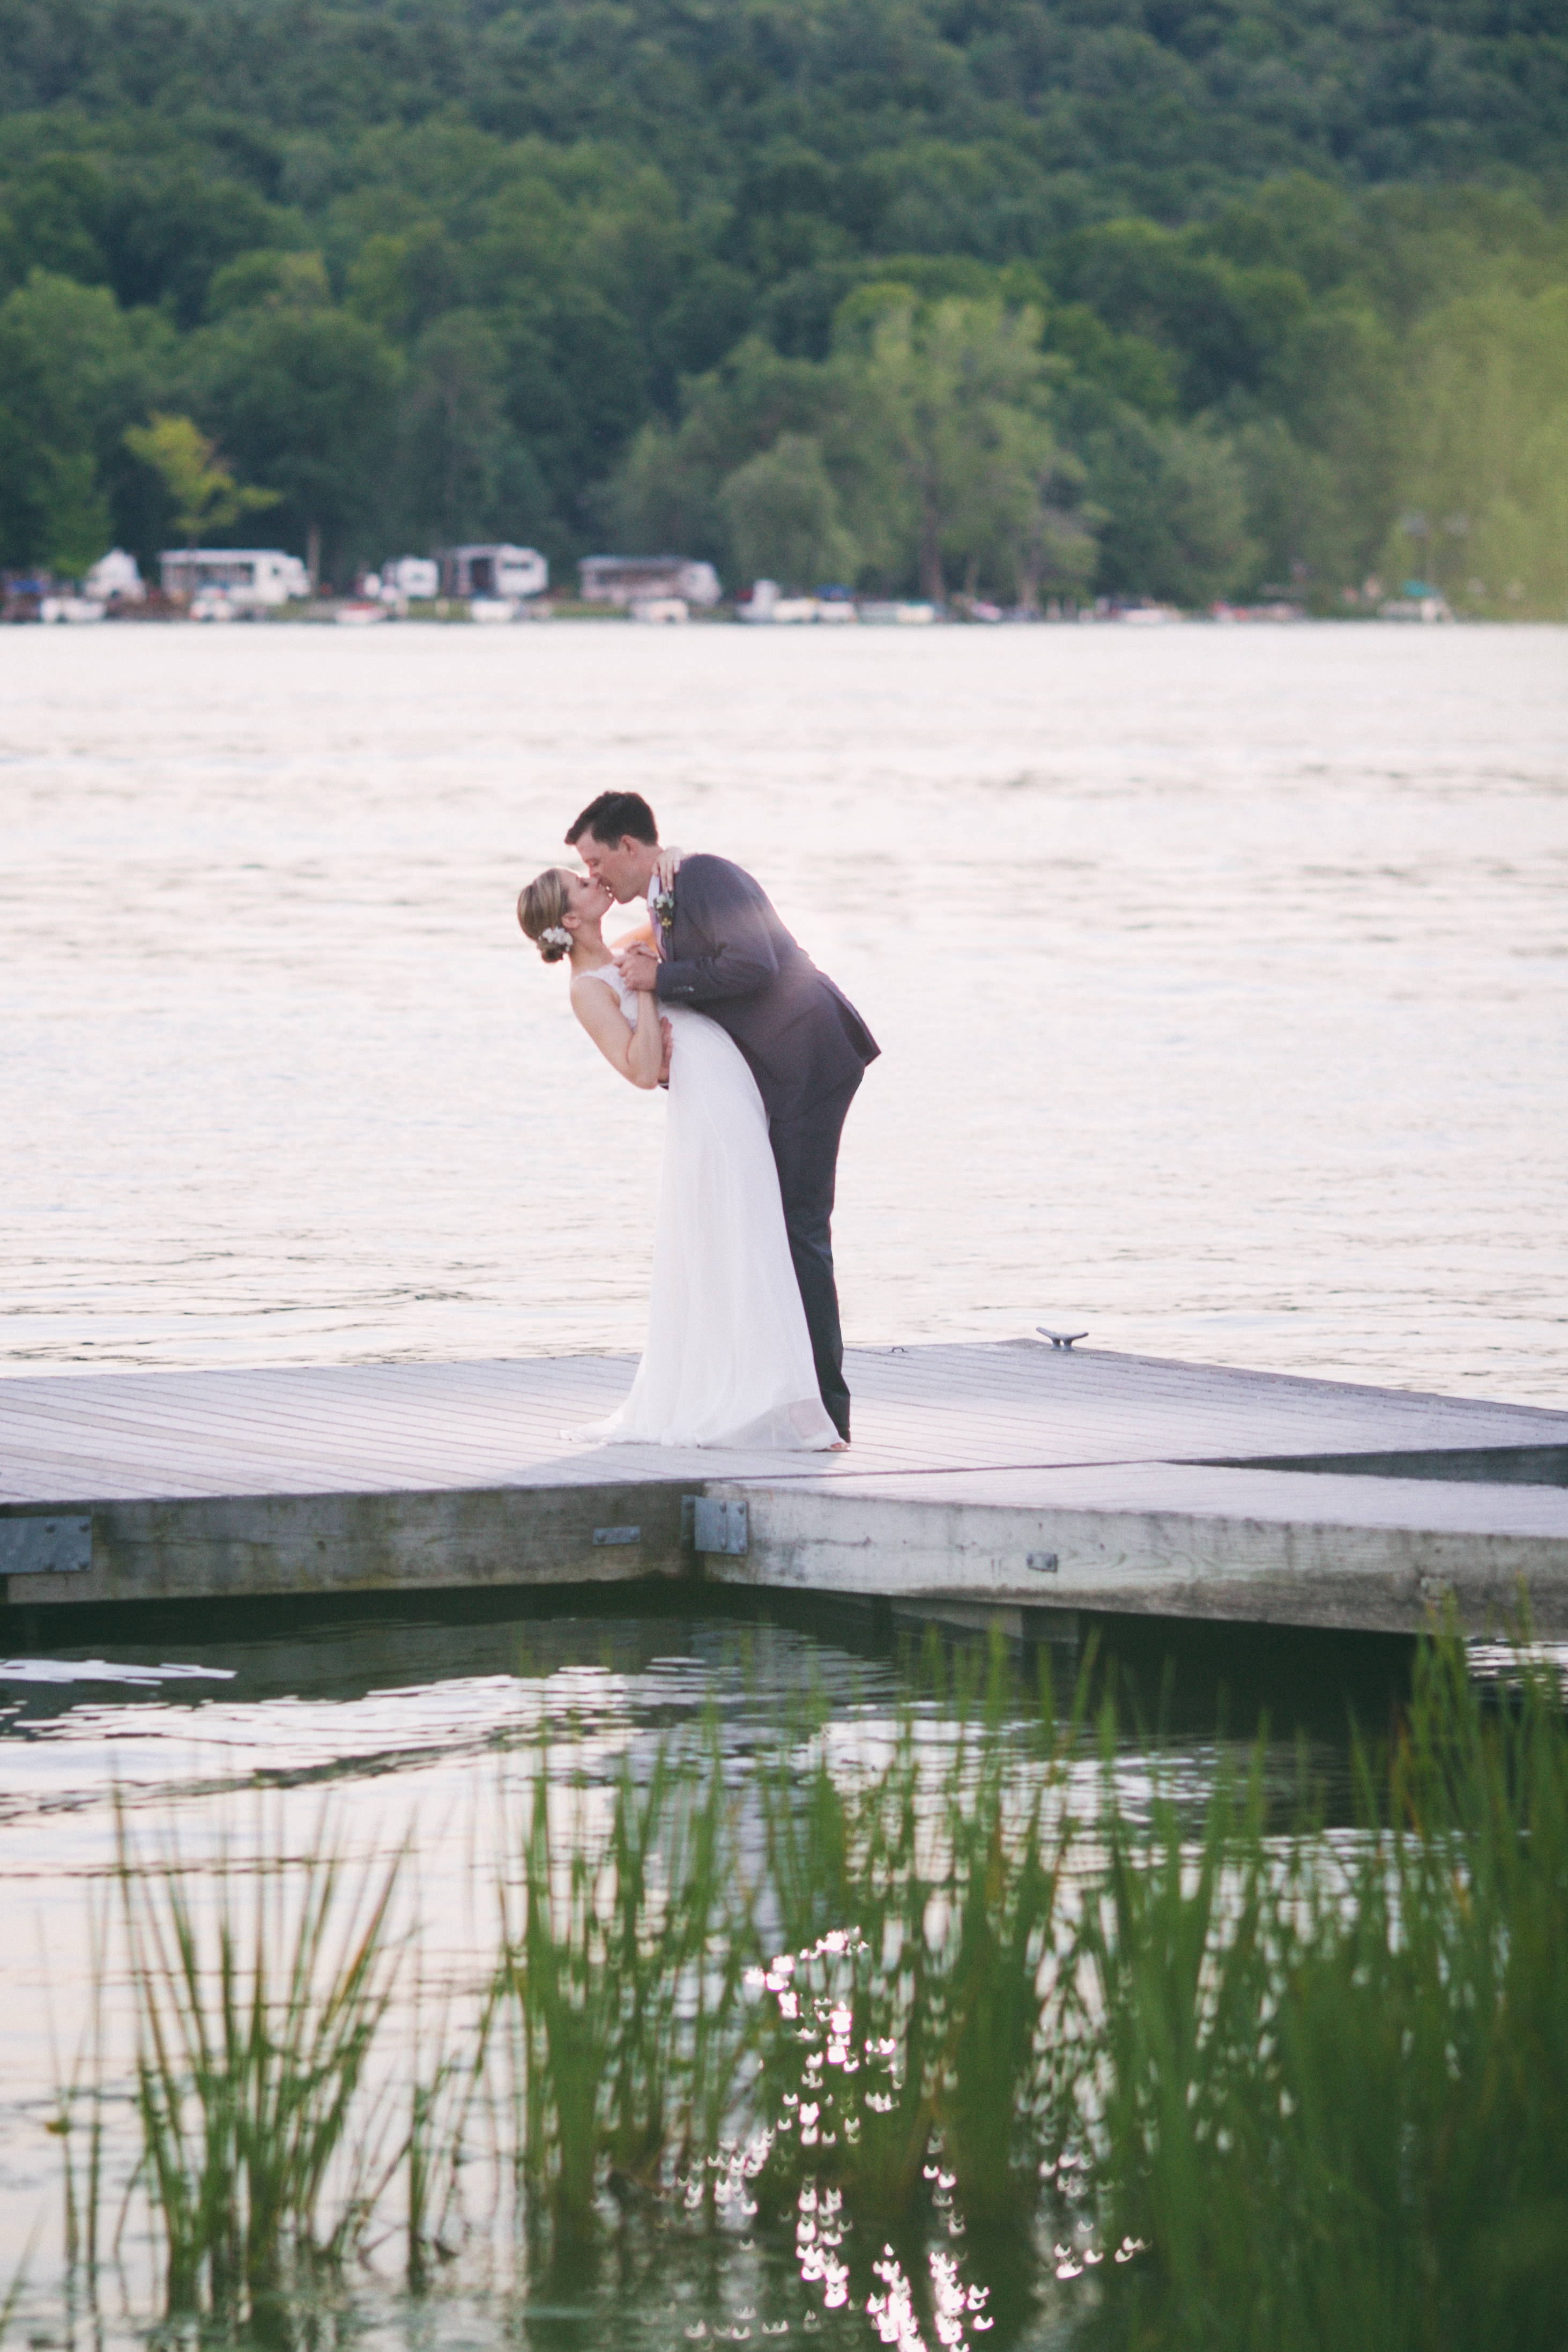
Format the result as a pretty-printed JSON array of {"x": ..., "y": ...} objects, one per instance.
[
  {"x": 378, "y": 1735},
  {"x": 1228, "y": 965}
]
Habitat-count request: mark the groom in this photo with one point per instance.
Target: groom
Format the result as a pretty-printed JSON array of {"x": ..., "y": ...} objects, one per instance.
[{"x": 723, "y": 950}]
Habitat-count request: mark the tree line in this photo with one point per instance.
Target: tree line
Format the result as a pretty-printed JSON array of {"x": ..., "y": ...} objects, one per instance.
[{"x": 1121, "y": 297}]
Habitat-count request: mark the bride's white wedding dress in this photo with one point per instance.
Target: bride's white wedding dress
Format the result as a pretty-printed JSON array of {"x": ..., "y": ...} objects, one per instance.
[{"x": 727, "y": 1359}]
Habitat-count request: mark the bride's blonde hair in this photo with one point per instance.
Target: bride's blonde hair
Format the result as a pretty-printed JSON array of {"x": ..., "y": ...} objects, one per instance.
[{"x": 541, "y": 903}]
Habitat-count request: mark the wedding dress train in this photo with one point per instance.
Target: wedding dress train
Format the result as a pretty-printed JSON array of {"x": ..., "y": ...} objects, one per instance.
[{"x": 728, "y": 1359}]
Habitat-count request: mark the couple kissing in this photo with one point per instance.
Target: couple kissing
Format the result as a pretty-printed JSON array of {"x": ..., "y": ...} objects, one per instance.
[{"x": 762, "y": 1055}]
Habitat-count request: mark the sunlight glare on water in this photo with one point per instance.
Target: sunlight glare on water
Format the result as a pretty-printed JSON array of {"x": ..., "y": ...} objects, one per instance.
[{"x": 1220, "y": 975}]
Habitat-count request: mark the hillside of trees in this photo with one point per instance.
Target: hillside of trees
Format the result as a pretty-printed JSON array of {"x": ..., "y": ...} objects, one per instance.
[{"x": 1026, "y": 298}]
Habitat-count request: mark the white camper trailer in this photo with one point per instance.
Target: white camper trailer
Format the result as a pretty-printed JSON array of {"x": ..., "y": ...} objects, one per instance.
[
  {"x": 493, "y": 573},
  {"x": 246, "y": 579}
]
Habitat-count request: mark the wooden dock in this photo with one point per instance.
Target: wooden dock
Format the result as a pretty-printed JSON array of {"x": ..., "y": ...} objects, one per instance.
[{"x": 1005, "y": 1475}]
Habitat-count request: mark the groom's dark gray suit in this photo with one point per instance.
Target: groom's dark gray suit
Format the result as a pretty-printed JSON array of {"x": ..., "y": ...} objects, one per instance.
[{"x": 728, "y": 954}]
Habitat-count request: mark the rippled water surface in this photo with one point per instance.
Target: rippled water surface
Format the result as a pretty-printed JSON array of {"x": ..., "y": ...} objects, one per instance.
[{"x": 1220, "y": 975}]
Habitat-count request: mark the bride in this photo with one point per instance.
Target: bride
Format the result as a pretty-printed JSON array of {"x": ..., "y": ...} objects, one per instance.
[{"x": 728, "y": 1359}]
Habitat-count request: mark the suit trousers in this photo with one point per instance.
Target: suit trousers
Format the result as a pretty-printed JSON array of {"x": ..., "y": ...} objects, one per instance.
[{"x": 806, "y": 1151}]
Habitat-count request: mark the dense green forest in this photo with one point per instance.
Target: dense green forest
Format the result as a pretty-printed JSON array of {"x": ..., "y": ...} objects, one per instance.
[{"x": 1180, "y": 298}]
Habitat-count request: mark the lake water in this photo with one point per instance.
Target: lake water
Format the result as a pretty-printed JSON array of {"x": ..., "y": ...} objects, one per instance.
[
  {"x": 1221, "y": 976},
  {"x": 1222, "y": 981}
]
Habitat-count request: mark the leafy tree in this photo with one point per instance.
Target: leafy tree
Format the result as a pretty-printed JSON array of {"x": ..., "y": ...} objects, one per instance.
[
  {"x": 576, "y": 388},
  {"x": 1309, "y": 539},
  {"x": 1487, "y": 467},
  {"x": 402, "y": 283},
  {"x": 1115, "y": 107},
  {"x": 1174, "y": 500},
  {"x": 1342, "y": 388},
  {"x": 953, "y": 402},
  {"x": 784, "y": 214},
  {"x": 1129, "y": 368},
  {"x": 1053, "y": 545},
  {"x": 205, "y": 495},
  {"x": 306, "y": 401},
  {"x": 783, "y": 514},
  {"x": 167, "y": 233},
  {"x": 707, "y": 313},
  {"x": 1221, "y": 322},
  {"x": 465, "y": 473},
  {"x": 71, "y": 377},
  {"x": 79, "y": 526},
  {"x": 923, "y": 445},
  {"x": 267, "y": 279},
  {"x": 59, "y": 210},
  {"x": 664, "y": 494}
]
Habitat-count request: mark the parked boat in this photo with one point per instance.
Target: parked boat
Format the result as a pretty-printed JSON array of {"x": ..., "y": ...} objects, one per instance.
[
  {"x": 57, "y": 609},
  {"x": 885, "y": 615}
]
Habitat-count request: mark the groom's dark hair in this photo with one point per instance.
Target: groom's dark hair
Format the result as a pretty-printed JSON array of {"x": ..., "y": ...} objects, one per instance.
[{"x": 613, "y": 814}]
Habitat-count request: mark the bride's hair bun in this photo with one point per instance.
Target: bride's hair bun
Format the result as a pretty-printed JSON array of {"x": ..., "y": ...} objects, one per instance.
[{"x": 541, "y": 903}]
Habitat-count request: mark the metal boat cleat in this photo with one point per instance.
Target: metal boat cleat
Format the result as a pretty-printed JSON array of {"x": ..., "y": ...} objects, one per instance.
[{"x": 1059, "y": 1338}]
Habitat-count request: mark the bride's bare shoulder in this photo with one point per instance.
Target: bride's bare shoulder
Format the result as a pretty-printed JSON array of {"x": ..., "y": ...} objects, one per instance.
[{"x": 589, "y": 998}]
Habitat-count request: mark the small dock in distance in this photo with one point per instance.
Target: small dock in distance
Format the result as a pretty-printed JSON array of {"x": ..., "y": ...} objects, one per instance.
[{"x": 988, "y": 1476}]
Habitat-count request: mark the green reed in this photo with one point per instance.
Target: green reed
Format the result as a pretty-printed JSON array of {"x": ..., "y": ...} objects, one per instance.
[
  {"x": 616, "y": 1994},
  {"x": 441, "y": 2096},
  {"x": 1271, "y": 2084},
  {"x": 79, "y": 2095},
  {"x": 13, "y": 2295},
  {"x": 1331, "y": 2081},
  {"x": 917, "y": 1904},
  {"x": 257, "y": 2002}
]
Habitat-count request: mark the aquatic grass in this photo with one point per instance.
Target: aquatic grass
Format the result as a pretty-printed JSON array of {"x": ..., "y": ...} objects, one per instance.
[
  {"x": 560, "y": 1974},
  {"x": 997, "y": 2099},
  {"x": 618, "y": 1988},
  {"x": 682, "y": 1937},
  {"x": 844, "y": 2090},
  {"x": 916, "y": 2016},
  {"x": 1332, "y": 2073},
  {"x": 1172, "y": 2052},
  {"x": 259, "y": 1998},
  {"x": 82, "y": 2180},
  {"x": 10, "y": 2301},
  {"x": 431, "y": 2154}
]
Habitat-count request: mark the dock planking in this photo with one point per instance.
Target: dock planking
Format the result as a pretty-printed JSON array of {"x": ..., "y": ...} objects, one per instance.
[{"x": 1002, "y": 1473}]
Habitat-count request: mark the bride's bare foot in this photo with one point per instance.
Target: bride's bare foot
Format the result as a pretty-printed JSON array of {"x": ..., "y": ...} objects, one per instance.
[{"x": 841, "y": 1445}]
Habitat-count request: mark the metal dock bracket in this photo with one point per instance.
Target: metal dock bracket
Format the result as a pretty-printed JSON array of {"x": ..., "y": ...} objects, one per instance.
[
  {"x": 57, "y": 1545},
  {"x": 713, "y": 1527}
]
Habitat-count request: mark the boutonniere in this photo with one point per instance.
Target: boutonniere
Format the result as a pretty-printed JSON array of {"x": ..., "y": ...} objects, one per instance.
[{"x": 664, "y": 905}]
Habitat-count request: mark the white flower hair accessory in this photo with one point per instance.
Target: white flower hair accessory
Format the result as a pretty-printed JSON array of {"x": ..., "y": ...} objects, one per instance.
[{"x": 558, "y": 936}]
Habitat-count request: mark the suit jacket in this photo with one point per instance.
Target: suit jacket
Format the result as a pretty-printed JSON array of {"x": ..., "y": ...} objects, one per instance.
[{"x": 728, "y": 954}]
